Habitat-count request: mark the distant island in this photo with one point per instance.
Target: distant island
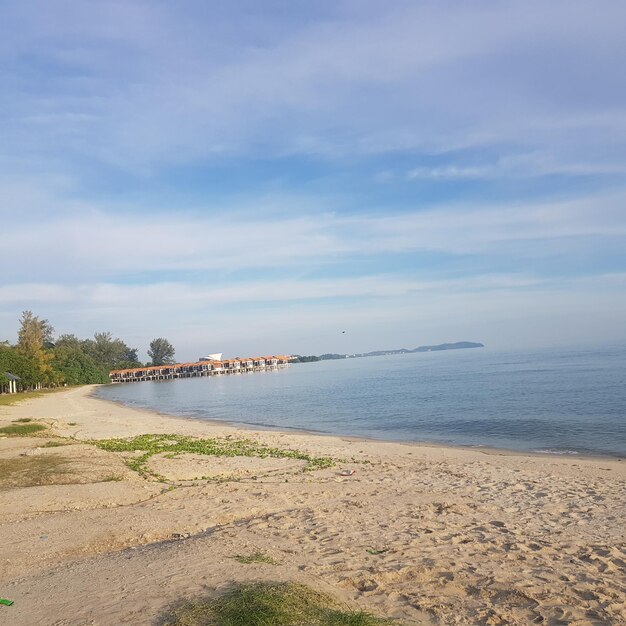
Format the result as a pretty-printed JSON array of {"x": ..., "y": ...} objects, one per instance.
[{"x": 459, "y": 345}]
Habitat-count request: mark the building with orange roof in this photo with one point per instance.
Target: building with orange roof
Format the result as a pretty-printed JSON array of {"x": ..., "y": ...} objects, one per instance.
[{"x": 200, "y": 368}]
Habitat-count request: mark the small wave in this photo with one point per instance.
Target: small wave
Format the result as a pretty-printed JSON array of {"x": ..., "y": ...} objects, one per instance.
[{"x": 551, "y": 451}]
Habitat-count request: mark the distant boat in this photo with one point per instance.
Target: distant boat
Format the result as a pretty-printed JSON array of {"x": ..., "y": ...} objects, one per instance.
[{"x": 211, "y": 357}]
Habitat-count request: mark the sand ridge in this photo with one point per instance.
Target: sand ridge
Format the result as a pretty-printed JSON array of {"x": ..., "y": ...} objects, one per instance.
[{"x": 427, "y": 534}]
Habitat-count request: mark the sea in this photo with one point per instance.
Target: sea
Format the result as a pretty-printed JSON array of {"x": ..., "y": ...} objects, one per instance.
[{"x": 552, "y": 400}]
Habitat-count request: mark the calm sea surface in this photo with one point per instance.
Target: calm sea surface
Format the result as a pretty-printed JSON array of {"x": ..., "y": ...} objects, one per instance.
[{"x": 550, "y": 400}]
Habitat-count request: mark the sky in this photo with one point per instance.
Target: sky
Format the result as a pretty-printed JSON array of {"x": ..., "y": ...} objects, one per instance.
[{"x": 258, "y": 177}]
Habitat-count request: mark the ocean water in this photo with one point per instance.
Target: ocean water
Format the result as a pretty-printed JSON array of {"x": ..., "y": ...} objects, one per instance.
[{"x": 551, "y": 400}]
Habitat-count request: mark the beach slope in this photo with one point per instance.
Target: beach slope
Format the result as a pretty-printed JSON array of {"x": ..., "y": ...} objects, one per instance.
[{"x": 424, "y": 534}]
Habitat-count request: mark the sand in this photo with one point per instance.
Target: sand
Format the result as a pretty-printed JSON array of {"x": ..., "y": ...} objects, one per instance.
[{"x": 425, "y": 534}]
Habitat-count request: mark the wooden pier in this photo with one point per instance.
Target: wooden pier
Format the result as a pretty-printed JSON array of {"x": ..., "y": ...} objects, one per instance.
[{"x": 198, "y": 369}]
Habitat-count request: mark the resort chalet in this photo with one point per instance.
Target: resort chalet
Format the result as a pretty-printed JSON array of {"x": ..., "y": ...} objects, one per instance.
[{"x": 204, "y": 367}]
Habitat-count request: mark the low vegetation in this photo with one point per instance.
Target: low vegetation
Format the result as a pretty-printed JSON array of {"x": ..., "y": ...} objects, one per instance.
[
  {"x": 255, "y": 557},
  {"x": 56, "y": 443},
  {"x": 9, "y": 399},
  {"x": 112, "y": 478},
  {"x": 33, "y": 471},
  {"x": 271, "y": 604},
  {"x": 21, "y": 430},
  {"x": 149, "y": 445}
]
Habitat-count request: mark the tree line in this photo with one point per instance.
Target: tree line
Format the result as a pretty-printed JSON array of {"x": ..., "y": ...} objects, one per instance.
[{"x": 39, "y": 359}]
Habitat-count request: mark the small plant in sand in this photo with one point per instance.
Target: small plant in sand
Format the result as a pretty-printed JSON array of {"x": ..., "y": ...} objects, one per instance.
[
  {"x": 112, "y": 478},
  {"x": 146, "y": 446},
  {"x": 255, "y": 557},
  {"x": 24, "y": 420},
  {"x": 21, "y": 430},
  {"x": 275, "y": 604},
  {"x": 56, "y": 443}
]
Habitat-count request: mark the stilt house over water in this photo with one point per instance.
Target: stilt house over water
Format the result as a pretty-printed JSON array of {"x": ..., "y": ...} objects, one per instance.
[{"x": 198, "y": 369}]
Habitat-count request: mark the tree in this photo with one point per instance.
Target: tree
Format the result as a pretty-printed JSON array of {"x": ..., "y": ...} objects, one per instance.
[
  {"x": 38, "y": 360},
  {"x": 161, "y": 352},
  {"x": 14, "y": 362},
  {"x": 110, "y": 353},
  {"x": 33, "y": 334},
  {"x": 68, "y": 341},
  {"x": 75, "y": 367},
  {"x": 33, "y": 340}
]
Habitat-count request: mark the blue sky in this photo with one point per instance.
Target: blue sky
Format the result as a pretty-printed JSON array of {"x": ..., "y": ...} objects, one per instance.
[{"x": 260, "y": 176}]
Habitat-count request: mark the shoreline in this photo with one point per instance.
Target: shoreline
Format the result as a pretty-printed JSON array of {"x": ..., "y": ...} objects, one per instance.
[
  {"x": 411, "y": 534},
  {"x": 490, "y": 450}
]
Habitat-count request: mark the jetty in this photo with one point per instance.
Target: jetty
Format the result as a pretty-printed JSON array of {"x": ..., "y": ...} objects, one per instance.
[{"x": 198, "y": 369}]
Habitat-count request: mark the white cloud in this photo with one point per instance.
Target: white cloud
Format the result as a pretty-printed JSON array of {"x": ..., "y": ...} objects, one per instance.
[
  {"x": 99, "y": 245},
  {"x": 187, "y": 295},
  {"x": 519, "y": 166},
  {"x": 451, "y": 172},
  {"x": 36, "y": 293},
  {"x": 474, "y": 229},
  {"x": 404, "y": 76}
]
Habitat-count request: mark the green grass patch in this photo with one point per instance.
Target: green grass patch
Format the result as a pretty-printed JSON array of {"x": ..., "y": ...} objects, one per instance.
[
  {"x": 149, "y": 445},
  {"x": 8, "y": 399},
  {"x": 33, "y": 471},
  {"x": 271, "y": 604},
  {"x": 21, "y": 430},
  {"x": 55, "y": 443},
  {"x": 255, "y": 557},
  {"x": 24, "y": 420},
  {"x": 112, "y": 478}
]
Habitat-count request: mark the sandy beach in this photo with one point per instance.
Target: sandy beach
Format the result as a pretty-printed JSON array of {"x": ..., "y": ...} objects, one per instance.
[{"x": 424, "y": 534}]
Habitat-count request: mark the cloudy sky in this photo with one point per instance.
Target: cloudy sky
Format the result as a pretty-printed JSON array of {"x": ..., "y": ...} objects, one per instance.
[{"x": 258, "y": 176}]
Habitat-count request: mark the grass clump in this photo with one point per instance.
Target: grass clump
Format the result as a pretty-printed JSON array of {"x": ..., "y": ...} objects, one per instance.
[
  {"x": 33, "y": 471},
  {"x": 21, "y": 430},
  {"x": 255, "y": 557},
  {"x": 271, "y": 604},
  {"x": 55, "y": 444},
  {"x": 112, "y": 478},
  {"x": 24, "y": 420},
  {"x": 149, "y": 445}
]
